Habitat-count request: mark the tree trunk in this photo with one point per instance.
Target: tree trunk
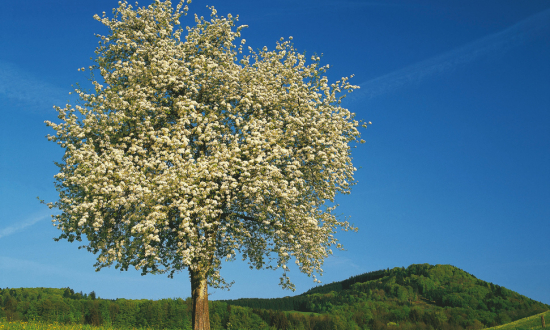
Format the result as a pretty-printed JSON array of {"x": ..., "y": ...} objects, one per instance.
[{"x": 199, "y": 293}]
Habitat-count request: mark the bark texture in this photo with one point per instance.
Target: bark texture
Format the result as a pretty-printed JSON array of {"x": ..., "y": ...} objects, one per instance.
[{"x": 199, "y": 293}]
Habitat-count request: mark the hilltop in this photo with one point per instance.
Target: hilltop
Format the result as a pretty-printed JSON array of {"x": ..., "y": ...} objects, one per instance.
[{"x": 420, "y": 296}]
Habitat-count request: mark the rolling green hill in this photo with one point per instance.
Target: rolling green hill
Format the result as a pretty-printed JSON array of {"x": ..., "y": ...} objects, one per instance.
[{"x": 418, "y": 297}]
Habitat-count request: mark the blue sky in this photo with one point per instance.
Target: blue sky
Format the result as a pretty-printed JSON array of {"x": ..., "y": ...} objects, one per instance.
[{"x": 455, "y": 170}]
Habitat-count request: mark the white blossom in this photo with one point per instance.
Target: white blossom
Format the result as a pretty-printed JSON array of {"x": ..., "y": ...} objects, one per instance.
[{"x": 188, "y": 152}]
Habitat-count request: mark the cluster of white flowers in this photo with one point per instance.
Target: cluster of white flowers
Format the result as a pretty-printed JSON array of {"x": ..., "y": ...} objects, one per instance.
[{"x": 189, "y": 151}]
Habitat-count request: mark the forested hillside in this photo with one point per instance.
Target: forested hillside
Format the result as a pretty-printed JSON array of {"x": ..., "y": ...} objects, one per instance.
[{"x": 418, "y": 297}]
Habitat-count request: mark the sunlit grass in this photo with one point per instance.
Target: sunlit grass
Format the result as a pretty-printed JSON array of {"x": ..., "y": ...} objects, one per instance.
[
  {"x": 17, "y": 325},
  {"x": 529, "y": 323}
]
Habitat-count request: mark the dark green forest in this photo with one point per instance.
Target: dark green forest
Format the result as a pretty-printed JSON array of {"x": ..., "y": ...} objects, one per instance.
[{"x": 417, "y": 297}]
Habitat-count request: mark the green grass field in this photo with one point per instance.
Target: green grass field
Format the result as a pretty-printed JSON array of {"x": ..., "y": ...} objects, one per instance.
[
  {"x": 528, "y": 323},
  {"x": 531, "y": 323},
  {"x": 20, "y": 325}
]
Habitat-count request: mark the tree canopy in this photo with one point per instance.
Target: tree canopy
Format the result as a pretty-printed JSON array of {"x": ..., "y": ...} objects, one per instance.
[{"x": 191, "y": 149}]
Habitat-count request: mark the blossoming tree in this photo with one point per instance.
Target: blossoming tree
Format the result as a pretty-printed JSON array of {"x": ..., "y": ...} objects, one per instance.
[{"x": 188, "y": 151}]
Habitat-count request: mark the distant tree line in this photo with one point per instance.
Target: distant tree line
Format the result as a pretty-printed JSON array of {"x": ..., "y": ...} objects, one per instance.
[
  {"x": 421, "y": 297},
  {"x": 70, "y": 307},
  {"x": 67, "y": 306}
]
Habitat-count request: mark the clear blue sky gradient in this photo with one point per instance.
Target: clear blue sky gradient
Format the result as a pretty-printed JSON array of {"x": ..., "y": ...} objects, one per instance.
[{"x": 455, "y": 170}]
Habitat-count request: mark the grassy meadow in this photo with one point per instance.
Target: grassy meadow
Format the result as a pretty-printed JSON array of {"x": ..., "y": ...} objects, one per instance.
[
  {"x": 21, "y": 325},
  {"x": 529, "y": 323}
]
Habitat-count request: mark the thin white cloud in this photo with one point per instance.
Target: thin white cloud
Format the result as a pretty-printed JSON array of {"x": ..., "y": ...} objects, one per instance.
[
  {"x": 23, "y": 224},
  {"x": 13, "y": 267},
  {"x": 511, "y": 37},
  {"x": 27, "y": 90},
  {"x": 33, "y": 267},
  {"x": 338, "y": 262}
]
